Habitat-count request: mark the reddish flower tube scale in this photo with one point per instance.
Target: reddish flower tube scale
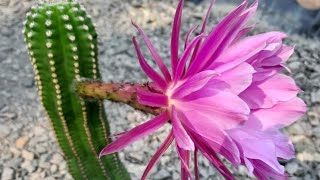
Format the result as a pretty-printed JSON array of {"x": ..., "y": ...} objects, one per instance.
[{"x": 230, "y": 98}]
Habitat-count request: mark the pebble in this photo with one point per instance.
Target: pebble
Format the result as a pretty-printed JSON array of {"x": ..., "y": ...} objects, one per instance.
[
  {"x": 27, "y": 155},
  {"x": 28, "y": 166},
  {"x": 54, "y": 168},
  {"x": 56, "y": 158},
  {"x": 7, "y": 174},
  {"x": 21, "y": 142},
  {"x": 4, "y": 131}
]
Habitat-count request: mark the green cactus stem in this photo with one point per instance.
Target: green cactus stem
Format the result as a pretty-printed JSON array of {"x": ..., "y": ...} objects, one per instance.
[{"x": 62, "y": 44}]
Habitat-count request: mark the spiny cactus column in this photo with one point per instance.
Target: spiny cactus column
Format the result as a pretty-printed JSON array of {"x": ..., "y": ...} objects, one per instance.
[{"x": 62, "y": 44}]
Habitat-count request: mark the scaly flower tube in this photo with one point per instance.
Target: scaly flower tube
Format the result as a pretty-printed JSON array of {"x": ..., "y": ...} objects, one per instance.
[{"x": 225, "y": 95}]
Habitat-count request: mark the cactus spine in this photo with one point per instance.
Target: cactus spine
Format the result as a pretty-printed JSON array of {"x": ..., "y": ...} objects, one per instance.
[{"x": 62, "y": 44}]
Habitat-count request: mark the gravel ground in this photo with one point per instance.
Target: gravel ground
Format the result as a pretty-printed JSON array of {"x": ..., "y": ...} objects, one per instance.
[{"x": 28, "y": 149}]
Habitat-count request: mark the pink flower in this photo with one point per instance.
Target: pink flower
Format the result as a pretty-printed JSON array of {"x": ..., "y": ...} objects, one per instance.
[{"x": 225, "y": 95}]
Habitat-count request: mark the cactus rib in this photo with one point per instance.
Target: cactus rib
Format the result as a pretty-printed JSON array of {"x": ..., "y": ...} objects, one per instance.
[{"x": 62, "y": 44}]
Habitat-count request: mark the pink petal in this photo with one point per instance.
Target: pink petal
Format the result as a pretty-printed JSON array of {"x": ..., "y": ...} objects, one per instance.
[
  {"x": 281, "y": 115},
  {"x": 269, "y": 92},
  {"x": 282, "y": 56},
  {"x": 232, "y": 34},
  {"x": 204, "y": 24},
  {"x": 265, "y": 172},
  {"x": 154, "y": 53},
  {"x": 182, "y": 63},
  {"x": 193, "y": 84},
  {"x": 185, "y": 158},
  {"x": 186, "y": 41},
  {"x": 243, "y": 50},
  {"x": 175, "y": 37},
  {"x": 164, "y": 146},
  {"x": 213, "y": 158},
  {"x": 222, "y": 108},
  {"x": 214, "y": 39},
  {"x": 266, "y": 72},
  {"x": 206, "y": 131},
  {"x": 284, "y": 147},
  {"x": 242, "y": 33},
  {"x": 152, "y": 99},
  {"x": 182, "y": 138},
  {"x": 236, "y": 80},
  {"x": 257, "y": 145},
  {"x": 136, "y": 133},
  {"x": 152, "y": 74}
]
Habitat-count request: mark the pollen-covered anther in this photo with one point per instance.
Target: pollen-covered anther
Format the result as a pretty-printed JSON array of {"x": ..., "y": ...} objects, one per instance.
[
  {"x": 53, "y": 69},
  {"x": 92, "y": 53},
  {"x": 55, "y": 81},
  {"x": 29, "y": 45},
  {"x": 76, "y": 64},
  {"x": 90, "y": 37},
  {"x": 76, "y": 71},
  {"x": 51, "y": 62}
]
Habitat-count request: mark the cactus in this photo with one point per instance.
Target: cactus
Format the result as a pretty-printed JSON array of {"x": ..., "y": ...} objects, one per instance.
[{"x": 62, "y": 44}]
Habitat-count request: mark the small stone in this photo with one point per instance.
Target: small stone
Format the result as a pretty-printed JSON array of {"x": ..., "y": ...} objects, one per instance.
[
  {"x": 54, "y": 169},
  {"x": 36, "y": 176},
  {"x": 56, "y": 159},
  {"x": 15, "y": 151},
  {"x": 21, "y": 142},
  {"x": 305, "y": 156},
  {"x": 28, "y": 166},
  {"x": 38, "y": 130},
  {"x": 162, "y": 174},
  {"x": 27, "y": 155},
  {"x": 4, "y": 131},
  {"x": 314, "y": 118},
  {"x": 7, "y": 174},
  {"x": 40, "y": 149},
  {"x": 292, "y": 168},
  {"x": 62, "y": 166},
  {"x": 136, "y": 157}
]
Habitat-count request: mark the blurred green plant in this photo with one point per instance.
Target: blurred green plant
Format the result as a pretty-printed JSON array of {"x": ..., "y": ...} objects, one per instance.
[{"x": 62, "y": 44}]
